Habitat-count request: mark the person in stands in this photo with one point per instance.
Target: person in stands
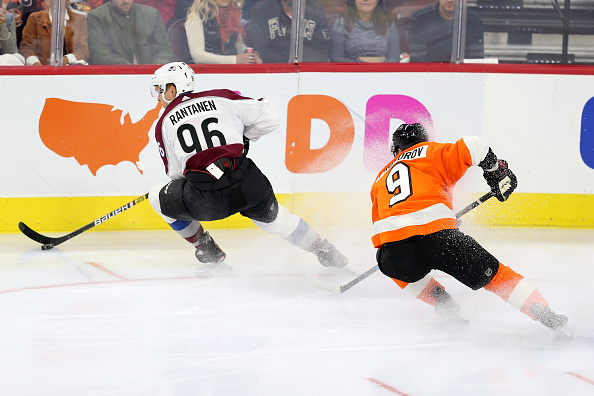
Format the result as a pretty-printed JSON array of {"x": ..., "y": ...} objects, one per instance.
[{"x": 366, "y": 33}]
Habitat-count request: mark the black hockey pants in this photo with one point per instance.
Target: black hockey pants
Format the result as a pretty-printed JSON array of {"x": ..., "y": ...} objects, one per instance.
[
  {"x": 245, "y": 190},
  {"x": 450, "y": 251}
]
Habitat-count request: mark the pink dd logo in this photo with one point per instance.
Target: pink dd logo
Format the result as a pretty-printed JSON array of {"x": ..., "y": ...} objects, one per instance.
[{"x": 380, "y": 110}]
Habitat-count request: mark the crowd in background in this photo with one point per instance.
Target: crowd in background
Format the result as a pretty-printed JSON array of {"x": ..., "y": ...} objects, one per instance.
[{"x": 127, "y": 32}]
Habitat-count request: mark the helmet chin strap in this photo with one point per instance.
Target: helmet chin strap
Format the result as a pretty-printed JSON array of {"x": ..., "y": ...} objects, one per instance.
[{"x": 167, "y": 101}]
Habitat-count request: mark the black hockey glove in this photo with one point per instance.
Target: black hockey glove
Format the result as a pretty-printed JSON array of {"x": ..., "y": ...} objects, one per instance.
[{"x": 502, "y": 181}]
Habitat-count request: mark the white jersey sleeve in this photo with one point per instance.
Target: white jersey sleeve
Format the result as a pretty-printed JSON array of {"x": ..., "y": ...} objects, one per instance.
[
  {"x": 197, "y": 129},
  {"x": 477, "y": 148},
  {"x": 261, "y": 119}
]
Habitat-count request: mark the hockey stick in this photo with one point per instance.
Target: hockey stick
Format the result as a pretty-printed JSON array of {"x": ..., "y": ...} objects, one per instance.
[
  {"x": 347, "y": 286},
  {"x": 49, "y": 242}
]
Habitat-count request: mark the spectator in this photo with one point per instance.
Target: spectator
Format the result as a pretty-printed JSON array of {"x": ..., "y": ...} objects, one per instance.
[
  {"x": 246, "y": 10},
  {"x": 8, "y": 44},
  {"x": 270, "y": 31},
  {"x": 165, "y": 7},
  {"x": 431, "y": 29},
  {"x": 95, "y": 3},
  {"x": 124, "y": 33},
  {"x": 36, "y": 43},
  {"x": 180, "y": 11},
  {"x": 215, "y": 34},
  {"x": 21, "y": 13},
  {"x": 366, "y": 33}
]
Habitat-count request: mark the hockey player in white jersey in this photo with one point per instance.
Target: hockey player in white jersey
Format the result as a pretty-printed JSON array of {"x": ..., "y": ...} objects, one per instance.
[{"x": 203, "y": 139}]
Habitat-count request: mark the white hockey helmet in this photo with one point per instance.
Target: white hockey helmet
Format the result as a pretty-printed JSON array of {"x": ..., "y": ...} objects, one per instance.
[{"x": 177, "y": 73}]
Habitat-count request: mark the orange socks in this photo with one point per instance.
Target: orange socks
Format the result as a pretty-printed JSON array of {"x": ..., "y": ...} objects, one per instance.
[
  {"x": 420, "y": 289},
  {"x": 515, "y": 290}
]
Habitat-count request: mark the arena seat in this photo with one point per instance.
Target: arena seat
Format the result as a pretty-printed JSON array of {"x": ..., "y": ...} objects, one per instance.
[{"x": 178, "y": 41}]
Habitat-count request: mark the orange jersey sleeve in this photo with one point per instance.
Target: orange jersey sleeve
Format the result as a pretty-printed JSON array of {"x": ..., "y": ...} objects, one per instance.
[{"x": 412, "y": 195}]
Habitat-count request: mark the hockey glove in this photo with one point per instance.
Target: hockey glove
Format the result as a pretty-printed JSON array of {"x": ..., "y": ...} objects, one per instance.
[{"x": 502, "y": 181}]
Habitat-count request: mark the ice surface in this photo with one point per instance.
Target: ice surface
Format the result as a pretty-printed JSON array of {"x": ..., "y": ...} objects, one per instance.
[{"x": 134, "y": 313}]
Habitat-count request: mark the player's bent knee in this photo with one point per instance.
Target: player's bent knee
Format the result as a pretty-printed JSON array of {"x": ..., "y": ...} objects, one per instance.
[
  {"x": 154, "y": 197},
  {"x": 167, "y": 200},
  {"x": 284, "y": 224}
]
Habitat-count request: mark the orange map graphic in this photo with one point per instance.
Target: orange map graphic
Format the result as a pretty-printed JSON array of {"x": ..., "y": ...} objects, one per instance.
[{"x": 93, "y": 134}]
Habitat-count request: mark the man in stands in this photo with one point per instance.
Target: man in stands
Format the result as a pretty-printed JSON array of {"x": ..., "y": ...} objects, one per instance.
[
  {"x": 269, "y": 31},
  {"x": 431, "y": 29},
  {"x": 124, "y": 33}
]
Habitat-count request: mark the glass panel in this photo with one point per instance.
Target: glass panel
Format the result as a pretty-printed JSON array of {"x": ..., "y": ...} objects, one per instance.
[
  {"x": 536, "y": 31},
  {"x": 210, "y": 32},
  {"x": 37, "y": 36},
  {"x": 430, "y": 28},
  {"x": 270, "y": 24},
  {"x": 9, "y": 19},
  {"x": 126, "y": 32},
  {"x": 364, "y": 31},
  {"x": 155, "y": 32}
]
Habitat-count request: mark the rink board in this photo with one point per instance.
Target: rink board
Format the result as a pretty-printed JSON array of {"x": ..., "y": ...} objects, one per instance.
[
  {"x": 77, "y": 151},
  {"x": 319, "y": 209}
]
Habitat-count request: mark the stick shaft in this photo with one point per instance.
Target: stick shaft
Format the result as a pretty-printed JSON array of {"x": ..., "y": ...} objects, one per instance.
[
  {"x": 461, "y": 213},
  {"x": 37, "y": 237},
  {"x": 358, "y": 279}
]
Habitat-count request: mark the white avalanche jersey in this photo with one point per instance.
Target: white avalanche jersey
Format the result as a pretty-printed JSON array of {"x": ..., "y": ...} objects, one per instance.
[{"x": 197, "y": 129}]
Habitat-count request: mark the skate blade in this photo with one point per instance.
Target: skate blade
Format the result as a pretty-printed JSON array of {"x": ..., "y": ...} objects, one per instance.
[{"x": 564, "y": 331}]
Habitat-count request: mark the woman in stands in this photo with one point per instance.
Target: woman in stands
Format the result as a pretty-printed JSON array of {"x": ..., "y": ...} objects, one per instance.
[
  {"x": 215, "y": 34},
  {"x": 366, "y": 33}
]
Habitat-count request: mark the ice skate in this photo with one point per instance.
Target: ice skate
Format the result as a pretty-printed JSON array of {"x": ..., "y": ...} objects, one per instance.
[
  {"x": 329, "y": 256},
  {"x": 550, "y": 319},
  {"x": 446, "y": 307},
  {"x": 208, "y": 251}
]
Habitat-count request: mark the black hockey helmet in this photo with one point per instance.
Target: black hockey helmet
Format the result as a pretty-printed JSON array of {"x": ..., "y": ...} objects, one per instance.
[{"x": 407, "y": 135}]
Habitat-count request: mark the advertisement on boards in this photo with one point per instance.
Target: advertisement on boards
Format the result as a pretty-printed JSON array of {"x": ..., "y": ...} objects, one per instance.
[{"x": 93, "y": 135}]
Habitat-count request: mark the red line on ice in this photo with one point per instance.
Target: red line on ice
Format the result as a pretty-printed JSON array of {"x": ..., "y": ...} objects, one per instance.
[
  {"x": 578, "y": 376},
  {"x": 124, "y": 280},
  {"x": 387, "y": 387},
  {"x": 110, "y": 272}
]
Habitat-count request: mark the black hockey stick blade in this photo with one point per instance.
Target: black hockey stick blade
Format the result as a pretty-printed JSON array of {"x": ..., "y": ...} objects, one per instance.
[
  {"x": 345, "y": 287},
  {"x": 49, "y": 242}
]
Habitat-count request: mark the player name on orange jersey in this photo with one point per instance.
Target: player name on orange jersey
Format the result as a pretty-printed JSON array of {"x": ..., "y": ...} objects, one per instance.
[{"x": 419, "y": 152}]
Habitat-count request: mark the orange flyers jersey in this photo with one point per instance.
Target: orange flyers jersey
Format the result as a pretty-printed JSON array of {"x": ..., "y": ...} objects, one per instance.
[{"x": 412, "y": 195}]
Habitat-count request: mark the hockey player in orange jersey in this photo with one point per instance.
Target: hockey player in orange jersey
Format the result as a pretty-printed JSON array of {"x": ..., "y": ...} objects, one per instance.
[{"x": 414, "y": 225}]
